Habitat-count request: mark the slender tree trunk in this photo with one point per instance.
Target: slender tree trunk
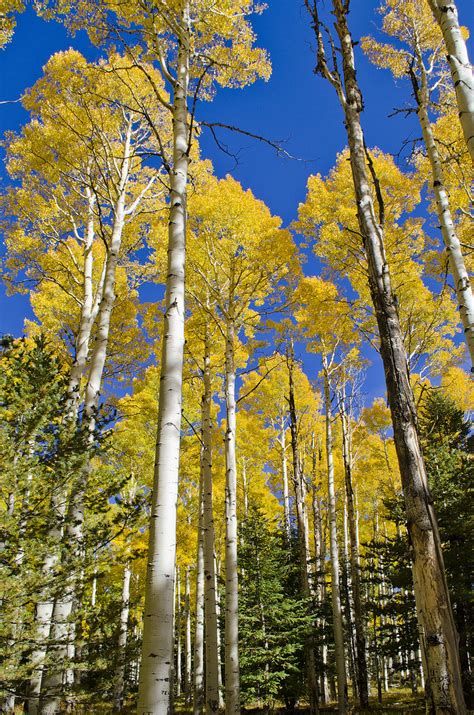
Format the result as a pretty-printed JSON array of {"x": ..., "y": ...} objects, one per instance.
[
  {"x": 432, "y": 596},
  {"x": 446, "y": 15},
  {"x": 187, "y": 636},
  {"x": 198, "y": 679},
  {"x": 334, "y": 552},
  {"x": 462, "y": 283},
  {"x": 284, "y": 474},
  {"x": 210, "y": 595},
  {"x": 179, "y": 650},
  {"x": 157, "y": 647},
  {"x": 232, "y": 677},
  {"x": 303, "y": 539},
  {"x": 361, "y": 667},
  {"x": 122, "y": 641}
]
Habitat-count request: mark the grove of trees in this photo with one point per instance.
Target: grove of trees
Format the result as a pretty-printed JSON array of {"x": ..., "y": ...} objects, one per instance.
[{"x": 205, "y": 505}]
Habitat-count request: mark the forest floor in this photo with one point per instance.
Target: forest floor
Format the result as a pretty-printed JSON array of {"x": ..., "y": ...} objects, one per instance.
[{"x": 397, "y": 702}]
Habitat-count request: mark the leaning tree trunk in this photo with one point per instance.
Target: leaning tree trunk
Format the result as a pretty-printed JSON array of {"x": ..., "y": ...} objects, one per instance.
[
  {"x": 89, "y": 310},
  {"x": 432, "y": 596},
  {"x": 361, "y": 655},
  {"x": 334, "y": 553},
  {"x": 462, "y": 283},
  {"x": 62, "y": 630},
  {"x": 210, "y": 605},
  {"x": 232, "y": 675},
  {"x": 446, "y": 15},
  {"x": 303, "y": 538},
  {"x": 157, "y": 648}
]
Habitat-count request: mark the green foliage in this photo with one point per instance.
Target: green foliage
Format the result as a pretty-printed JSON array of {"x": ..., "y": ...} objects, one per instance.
[{"x": 274, "y": 620}]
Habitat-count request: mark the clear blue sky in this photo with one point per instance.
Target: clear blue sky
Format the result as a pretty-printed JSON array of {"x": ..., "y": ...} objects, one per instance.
[{"x": 294, "y": 105}]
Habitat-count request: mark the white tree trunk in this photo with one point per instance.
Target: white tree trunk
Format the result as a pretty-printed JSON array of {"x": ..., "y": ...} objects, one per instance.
[
  {"x": 62, "y": 629},
  {"x": 334, "y": 552},
  {"x": 210, "y": 595},
  {"x": 284, "y": 474},
  {"x": 122, "y": 640},
  {"x": 157, "y": 647},
  {"x": 462, "y": 283},
  {"x": 232, "y": 676},
  {"x": 187, "y": 635},
  {"x": 432, "y": 595},
  {"x": 198, "y": 680},
  {"x": 179, "y": 650},
  {"x": 446, "y": 14}
]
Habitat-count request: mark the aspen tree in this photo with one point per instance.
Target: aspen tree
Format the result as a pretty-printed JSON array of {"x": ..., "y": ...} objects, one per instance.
[
  {"x": 302, "y": 520},
  {"x": 328, "y": 330},
  {"x": 416, "y": 29},
  {"x": 446, "y": 16},
  {"x": 346, "y": 423},
  {"x": 228, "y": 262},
  {"x": 432, "y": 595}
]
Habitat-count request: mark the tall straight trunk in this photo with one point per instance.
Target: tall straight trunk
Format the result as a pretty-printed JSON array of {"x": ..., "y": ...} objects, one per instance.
[
  {"x": 334, "y": 553},
  {"x": 432, "y": 596},
  {"x": 187, "y": 635},
  {"x": 446, "y": 14},
  {"x": 119, "y": 683},
  {"x": 157, "y": 647},
  {"x": 62, "y": 629},
  {"x": 361, "y": 651},
  {"x": 284, "y": 475},
  {"x": 198, "y": 673},
  {"x": 462, "y": 283},
  {"x": 232, "y": 675},
  {"x": 210, "y": 595},
  {"x": 351, "y": 646},
  {"x": 177, "y": 622},
  {"x": 303, "y": 538}
]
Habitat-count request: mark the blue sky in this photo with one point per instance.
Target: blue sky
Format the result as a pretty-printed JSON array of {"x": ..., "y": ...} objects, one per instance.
[{"x": 294, "y": 105}]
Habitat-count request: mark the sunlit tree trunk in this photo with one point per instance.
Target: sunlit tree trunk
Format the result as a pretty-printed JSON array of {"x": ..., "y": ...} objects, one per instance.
[
  {"x": 457, "y": 267},
  {"x": 432, "y": 596},
  {"x": 122, "y": 640},
  {"x": 446, "y": 14},
  {"x": 232, "y": 676},
  {"x": 62, "y": 629},
  {"x": 157, "y": 647},
  {"x": 284, "y": 475},
  {"x": 334, "y": 552}
]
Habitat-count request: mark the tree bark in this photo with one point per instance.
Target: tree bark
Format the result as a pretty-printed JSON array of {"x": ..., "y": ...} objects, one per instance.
[
  {"x": 361, "y": 653},
  {"x": 198, "y": 674},
  {"x": 232, "y": 675},
  {"x": 157, "y": 647},
  {"x": 432, "y": 596},
  {"x": 334, "y": 552},
  {"x": 303, "y": 537},
  {"x": 122, "y": 641},
  {"x": 462, "y": 283},
  {"x": 210, "y": 605},
  {"x": 446, "y": 15}
]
